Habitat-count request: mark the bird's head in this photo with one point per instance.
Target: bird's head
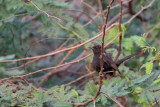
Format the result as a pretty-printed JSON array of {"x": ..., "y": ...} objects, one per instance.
[{"x": 96, "y": 49}]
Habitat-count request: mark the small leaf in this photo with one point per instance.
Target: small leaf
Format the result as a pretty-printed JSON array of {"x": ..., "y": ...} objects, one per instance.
[
  {"x": 138, "y": 89},
  {"x": 149, "y": 67},
  {"x": 157, "y": 81},
  {"x": 13, "y": 72},
  {"x": 35, "y": 93},
  {"x": 146, "y": 98},
  {"x": 141, "y": 79},
  {"x": 63, "y": 104},
  {"x": 113, "y": 32},
  {"x": 73, "y": 90},
  {"x": 92, "y": 89},
  {"x": 7, "y": 57}
]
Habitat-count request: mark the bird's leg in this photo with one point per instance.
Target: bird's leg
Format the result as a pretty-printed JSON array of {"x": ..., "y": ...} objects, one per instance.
[
  {"x": 119, "y": 72},
  {"x": 108, "y": 74}
]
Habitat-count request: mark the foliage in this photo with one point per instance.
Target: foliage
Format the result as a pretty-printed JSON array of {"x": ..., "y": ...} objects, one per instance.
[
  {"x": 26, "y": 32},
  {"x": 59, "y": 96}
]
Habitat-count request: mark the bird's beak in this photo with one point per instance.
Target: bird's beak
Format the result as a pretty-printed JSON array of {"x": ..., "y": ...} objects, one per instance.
[{"x": 90, "y": 47}]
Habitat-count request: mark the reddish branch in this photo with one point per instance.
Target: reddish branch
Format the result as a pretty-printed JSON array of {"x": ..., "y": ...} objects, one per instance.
[
  {"x": 23, "y": 14},
  {"x": 110, "y": 22},
  {"x": 101, "y": 10},
  {"x": 94, "y": 11},
  {"x": 52, "y": 72},
  {"x": 100, "y": 73},
  {"x": 153, "y": 105},
  {"x": 62, "y": 50},
  {"x": 138, "y": 13},
  {"x": 76, "y": 80},
  {"x": 23, "y": 65},
  {"x": 90, "y": 71},
  {"x": 35, "y": 60},
  {"x": 72, "y": 62},
  {"x": 114, "y": 100},
  {"x": 120, "y": 30},
  {"x": 73, "y": 10},
  {"x": 39, "y": 10}
]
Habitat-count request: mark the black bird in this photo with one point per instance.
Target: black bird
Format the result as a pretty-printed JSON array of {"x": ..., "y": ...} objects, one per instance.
[{"x": 108, "y": 63}]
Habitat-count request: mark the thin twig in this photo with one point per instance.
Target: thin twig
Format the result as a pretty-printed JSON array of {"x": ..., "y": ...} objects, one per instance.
[
  {"x": 101, "y": 10},
  {"x": 72, "y": 62},
  {"x": 74, "y": 10},
  {"x": 120, "y": 30},
  {"x": 76, "y": 80},
  {"x": 152, "y": 105},
  {"x": 94, "y": 11},
  {"x": 100, "y": 73},
  {"x": 89, "y": 22},
  {"x": 138, "y": 13},
  {"x": 116, "y": 17},
  {"x": 34, "y": 60},
  {"x": 23, "y": 14},
  {"x": 21, "y": 66},
  {"x": 39, "y": 10},
  {"x": 112, "y": 40},
  {"x": 51, "y": 72},
  {"x": 102, "y": 49},
  {"x": 62, "y": 50},
  {"x": 90, "y": 71},
  {"x": 114, "y": 100},
  {"x": 94, "y": 101}
]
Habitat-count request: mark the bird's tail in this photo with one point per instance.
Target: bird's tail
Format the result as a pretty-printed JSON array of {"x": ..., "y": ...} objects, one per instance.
[{"x": 125, "y": 58}]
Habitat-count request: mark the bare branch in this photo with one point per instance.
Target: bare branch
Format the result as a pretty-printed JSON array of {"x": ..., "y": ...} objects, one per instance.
[
  {"x": 153, "y": 105},
  {"x": 89, "y": 6},
  {"x": 100, "y": 73},
  {"x": 50, "y": 16},
  {"x": 138, "y": 13},
  {"x": 101, "y": 10},
  {"x": 86, "y": 75},
  {"x": 114, "y": 100},
  {"x": 62, "y": 50},
  {"x": 120, "y": 30},
  {"x": 51, "y": 72}
]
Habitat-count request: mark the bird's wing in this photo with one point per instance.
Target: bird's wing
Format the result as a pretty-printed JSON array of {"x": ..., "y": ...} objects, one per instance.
[
  {"x": 108, "y": 60},
  {"x": 114, "y": 66}
]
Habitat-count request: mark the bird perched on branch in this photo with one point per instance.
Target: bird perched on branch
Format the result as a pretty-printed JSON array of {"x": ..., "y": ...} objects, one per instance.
[{"x": 108, "y": 63}]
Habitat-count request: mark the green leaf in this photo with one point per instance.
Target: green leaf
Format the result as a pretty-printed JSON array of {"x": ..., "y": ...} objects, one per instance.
[
  {"x": 141, "y": 79},
  {"x": 35, "y": 93},
  {"x": 149, "y": 67},
  {"x": 14, "y": 72},
  {"x": 146, "y": 98},
  {"x": 114, "y": 32},
  {"x": 60, "y": 4},
  {"x": 75, "y": 93},
  {"x": 114, "y": 87},
  {"x": 128, "y": 43},
  {"x": 157, "y": 81},
  {"x": 138, "y": 40},
  {"x": 38, "y": 4},
  {"x": 7, "y": 57},
  {"x": 155, "y": 85},
  {"x": 92, "y": 89},
  {"x": 63, "y": 104},
  {"x": 81, "y": 31}
]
